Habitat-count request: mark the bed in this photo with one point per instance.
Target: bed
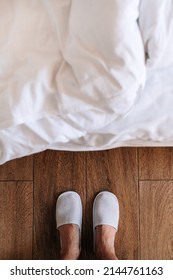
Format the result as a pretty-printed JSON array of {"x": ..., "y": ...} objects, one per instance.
[{"x": 84, "y": 75}]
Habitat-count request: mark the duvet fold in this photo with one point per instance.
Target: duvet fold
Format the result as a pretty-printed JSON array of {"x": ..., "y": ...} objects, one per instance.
[
  {"x": 84, "y": 75},
  {"x": 156, "y": 25},
  {"x": 62, "y": 58}
]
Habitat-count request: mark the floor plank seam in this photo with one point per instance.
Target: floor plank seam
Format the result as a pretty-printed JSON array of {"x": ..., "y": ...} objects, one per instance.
[
  {"x": 156, "y": 180},
  {"x": 14, "y": 181},
  {"x": 139, "y": 236},
  {"x": 33, "y": 176}
]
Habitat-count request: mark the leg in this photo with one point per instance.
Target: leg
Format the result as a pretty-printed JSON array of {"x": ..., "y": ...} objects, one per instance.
[
  {"x": 70, "y": 243},
  {"x": 105, "y": 242}
]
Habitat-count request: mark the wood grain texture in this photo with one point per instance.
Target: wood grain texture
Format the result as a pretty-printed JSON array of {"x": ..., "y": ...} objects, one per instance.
[
  {"x": 155, "y": 163},
  {"x": 156, "y": 220},
  {"x": 141, "y": 178},
  {"x": 55, "y": 172},
  {"x": 115, "y": 171},
  {"x": 17, "y": 170},
  {"x": 16, "y": 206}
]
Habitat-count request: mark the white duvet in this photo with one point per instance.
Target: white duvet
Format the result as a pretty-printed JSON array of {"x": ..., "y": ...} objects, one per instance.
[{"x": 84, "y": 75}]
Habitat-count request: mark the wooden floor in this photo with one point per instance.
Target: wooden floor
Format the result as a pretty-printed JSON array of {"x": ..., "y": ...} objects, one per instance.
[{"x": 142, "y": 179}]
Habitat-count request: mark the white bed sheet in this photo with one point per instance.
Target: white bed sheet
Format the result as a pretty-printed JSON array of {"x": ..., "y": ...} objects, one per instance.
[{"x": 148, "y": 122}]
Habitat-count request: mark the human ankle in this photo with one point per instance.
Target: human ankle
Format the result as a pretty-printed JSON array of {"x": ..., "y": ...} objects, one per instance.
[
  {"x": 70, "y": 242},
  {"x": 70, "y": 254},
  {"x": 105, "y": 239}
]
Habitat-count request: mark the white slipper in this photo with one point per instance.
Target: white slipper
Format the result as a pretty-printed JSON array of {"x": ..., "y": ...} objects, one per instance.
[
  {"x": 105, "y": 211},
  {"x": 69, "y": 210}
]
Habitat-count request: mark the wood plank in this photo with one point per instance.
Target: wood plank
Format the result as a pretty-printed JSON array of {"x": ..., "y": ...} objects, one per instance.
[
  {"x": 55, "y": 172},
  {"x": 155, "y": 163},
  {"x": 156, "y": 220},
  {"x": 17, "y": 170},
  {"x": 116, "y": 171},
  {"x": 16, "y": 204}
]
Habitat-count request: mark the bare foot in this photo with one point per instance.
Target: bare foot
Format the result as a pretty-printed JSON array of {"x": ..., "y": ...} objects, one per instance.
[
  {"x": 105, "y": 242},
  {"x": 70, "y": 242}
]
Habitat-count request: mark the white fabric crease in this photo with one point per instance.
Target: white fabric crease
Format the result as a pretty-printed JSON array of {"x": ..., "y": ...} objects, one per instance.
[{"x": 83, "y": 75}]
